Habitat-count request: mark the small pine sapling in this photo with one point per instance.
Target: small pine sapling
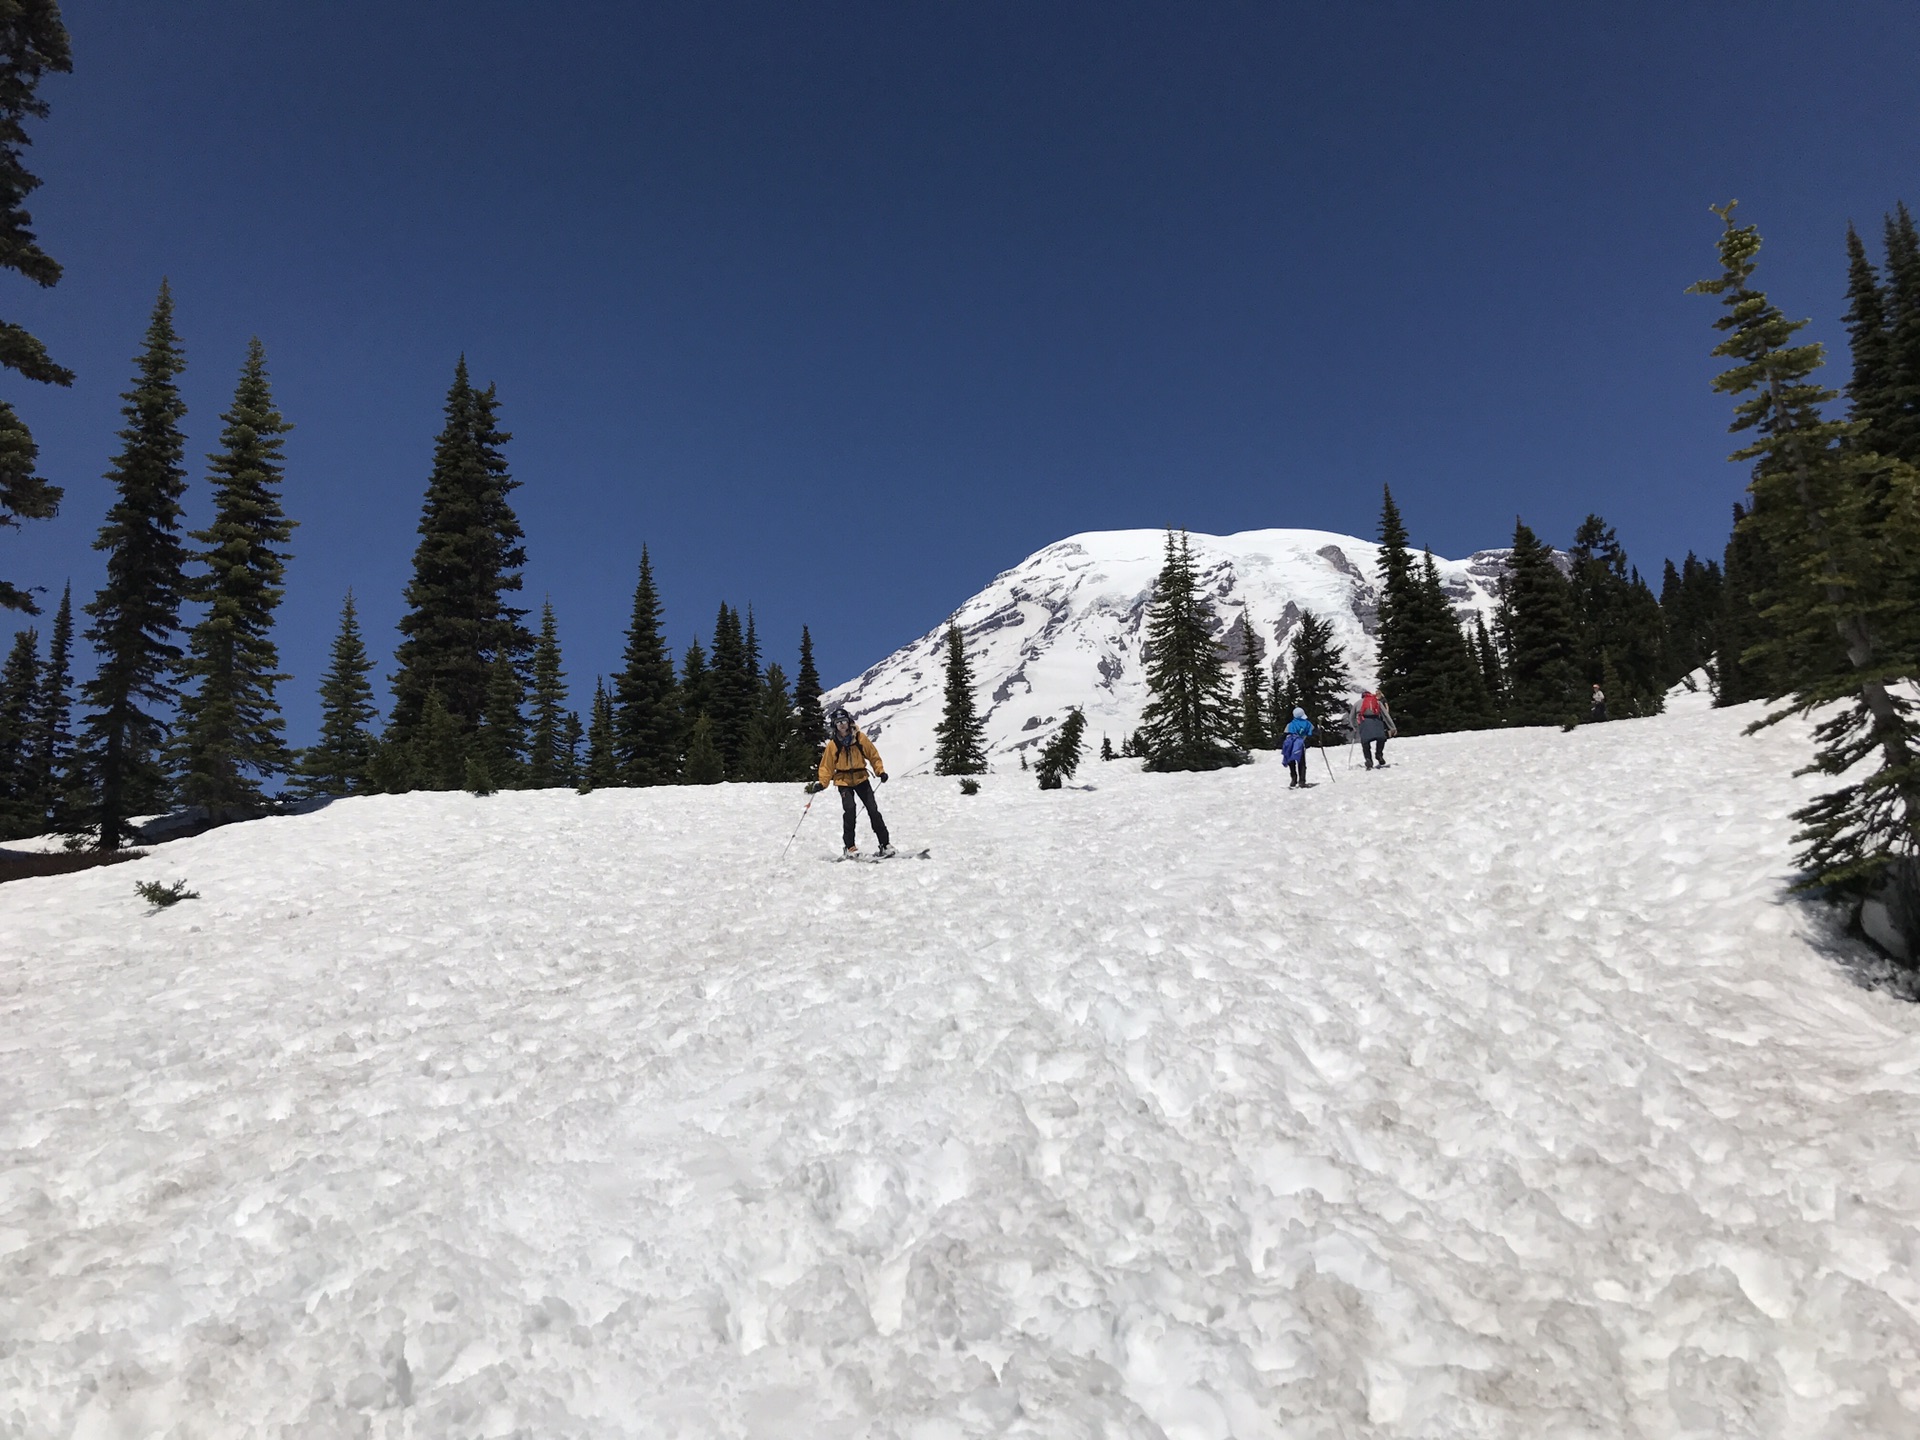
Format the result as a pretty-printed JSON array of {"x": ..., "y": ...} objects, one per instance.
[
  {"x": 1061, "y": 757},
  {"x": 969, "y": 785},
  {"x": 161, "y": 896}
]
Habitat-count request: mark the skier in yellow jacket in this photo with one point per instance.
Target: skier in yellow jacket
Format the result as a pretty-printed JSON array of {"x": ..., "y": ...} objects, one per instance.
[{"x": 844, "y": 764}]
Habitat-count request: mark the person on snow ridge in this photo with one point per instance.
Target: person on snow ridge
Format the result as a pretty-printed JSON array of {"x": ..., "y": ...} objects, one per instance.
[
  {"x": 1293, "y": 749},
  {"x": 1374, "y": 722},
  {"x": 1598, "y": 711},
  {"x": 844, "y": 764}
]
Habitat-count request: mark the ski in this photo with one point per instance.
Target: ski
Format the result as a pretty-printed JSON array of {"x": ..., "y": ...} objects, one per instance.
[{"x": 878, "y": 859}]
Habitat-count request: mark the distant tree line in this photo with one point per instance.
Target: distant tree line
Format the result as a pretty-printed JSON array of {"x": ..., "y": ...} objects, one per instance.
[{"x": 181, "y": 712}]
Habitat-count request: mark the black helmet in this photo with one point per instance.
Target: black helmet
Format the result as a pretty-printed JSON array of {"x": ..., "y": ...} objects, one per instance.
[{"x": 839, "y": 715}]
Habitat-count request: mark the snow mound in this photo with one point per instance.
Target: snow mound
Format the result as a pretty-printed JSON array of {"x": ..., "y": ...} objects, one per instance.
[
  {"x": 1502, "y": 1093},
  {"x": 1067, "y": 625}
]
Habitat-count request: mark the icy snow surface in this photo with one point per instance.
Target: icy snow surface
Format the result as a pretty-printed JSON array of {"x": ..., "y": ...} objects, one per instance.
[
  {"x": 1067, "y": 625},
  {"x": 1496, "y": 1094}
]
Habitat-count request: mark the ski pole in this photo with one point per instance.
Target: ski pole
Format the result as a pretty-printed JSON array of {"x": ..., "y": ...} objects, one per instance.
[
  {"x": 796, "y": 827},
  {"x": 1323, "y": 756}
]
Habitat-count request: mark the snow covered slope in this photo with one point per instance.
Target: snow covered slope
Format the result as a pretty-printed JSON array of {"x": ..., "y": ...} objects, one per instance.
[
  {"x": 1065, "y": 627},
  {"x": 1498, "y": 1094}
]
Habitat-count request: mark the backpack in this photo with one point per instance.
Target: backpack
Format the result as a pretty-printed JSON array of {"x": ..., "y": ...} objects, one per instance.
[{"x": 1369, "y": 705}]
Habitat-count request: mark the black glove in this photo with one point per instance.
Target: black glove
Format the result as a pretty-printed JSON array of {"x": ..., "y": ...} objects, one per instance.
[
  {"x": 883, "y": 777},
  {"x": 814, "y": 787}
]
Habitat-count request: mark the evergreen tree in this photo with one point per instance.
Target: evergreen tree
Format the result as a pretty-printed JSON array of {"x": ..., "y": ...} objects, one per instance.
[
  {"x": 1317, "y": 679},
  {"x": 136, "y": 613},
  {"x": 572, "y": 737},
  {"x": 1106, "y": 748},
  {"x": 1493, "y": 675},
  {"x": 1060, "y": 758},
  {"x": 33, "y": 42},
  {"x": 1254, "y": 714},
  {"x": 731, "y": 707},
  {"x": 752, "y": 648},
  {"x": 809, "y": 720},
  {"x": 1690, "y": 603},
  {"x": 341, "y": 762},
  {"x": 705, "y": 765},
  {"x": 696, "y": 693},
  {"x": 960, "y": 739},
  {"x": 1398, "y": 619},
  {"x": 19, "y": 686},
  {"x": 1536, "y": 623},
  {"x": 1873, "y": 383},
  {"x": 432, "y": 756},
  {"x": 1744, "y": 663},
  {"x": 771, "y": 751},
  {"x": 498, "y": 750},
  {"x": 1845, "y": 528},
  {"x": 546, "y": 765},
  {"x": 1440, "y": 687},
  {"x": 49, "y": 766},
  {"x": 230, "y": 726},
  {"x": 1897, "y": 433},
  {"x": 466, "y": 565},
  {"x": 1190, "y": 719},
  {"x": 1617, "y": 621},
  {"x": 603, "y": 755},
  {"x": 647, "y": 726}
]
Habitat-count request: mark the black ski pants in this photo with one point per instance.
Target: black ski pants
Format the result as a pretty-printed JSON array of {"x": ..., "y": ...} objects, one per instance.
[
  {"x": 1297, "y": 770},
  {"x": 865, "y": 791},
  {"x": 1377, "y": 754}
]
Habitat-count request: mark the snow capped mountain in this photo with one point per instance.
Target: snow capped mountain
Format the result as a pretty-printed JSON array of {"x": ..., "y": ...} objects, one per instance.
[{"x": 1067, "y": 625}]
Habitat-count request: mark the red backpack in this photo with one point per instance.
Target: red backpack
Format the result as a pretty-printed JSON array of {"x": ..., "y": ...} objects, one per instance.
[{"x": 1369, "y": 705}]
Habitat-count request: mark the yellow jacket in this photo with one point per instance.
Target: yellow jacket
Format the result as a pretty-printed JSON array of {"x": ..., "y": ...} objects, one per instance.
[{"x": 847, "y": 768}]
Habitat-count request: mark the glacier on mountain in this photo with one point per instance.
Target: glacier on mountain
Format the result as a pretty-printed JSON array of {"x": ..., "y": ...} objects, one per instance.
[{"x": 1067, "y": 626}]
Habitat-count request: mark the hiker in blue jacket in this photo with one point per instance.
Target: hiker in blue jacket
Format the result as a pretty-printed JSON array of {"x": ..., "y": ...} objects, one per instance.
[{"x": 1293, "y": 749}]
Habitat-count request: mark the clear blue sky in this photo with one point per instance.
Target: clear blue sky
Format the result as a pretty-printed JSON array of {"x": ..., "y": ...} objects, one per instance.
[{"x": 843, "y": 309}]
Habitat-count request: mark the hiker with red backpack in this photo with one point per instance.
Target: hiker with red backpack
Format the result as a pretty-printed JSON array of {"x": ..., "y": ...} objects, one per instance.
[{"x": 1373, "y": 722}]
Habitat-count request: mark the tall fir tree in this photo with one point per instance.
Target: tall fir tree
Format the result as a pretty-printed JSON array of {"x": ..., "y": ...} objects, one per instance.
[
  {"x": 1254, "y": 715},
  {"x": 1439, "y": 687},
  {"x": 51, "y": 760},
  {"x": 440, "y": 748},
  {"x": 465, "y": 567},
  {"x": 546, "y": 766},
  {"x": 1871, "y": 388},
  {"x": 1846, "y": 528},
  {"x": 733, "y": 684},
  {"x": 19, "y": 685},
  {"x": 960, "y": 738},
  {"x": 136, "y": 613},
  {"x": 497, "y": 754},
  {"x": 572, "y": 736},
  {"x": 1398, "y": 619},
  {"x": 602, "y": 767},
  {"x": 1317, "y": 679},
  {"x": 809, "y": 719},
  {"x": 1898, "y": 433},
  {"x": 33, "y": 44},
  {"x": 696, "y": 697},
  {"x": 231, "y": 730},
  {"x": 647, "y": 724},
  {"x": 1689, "y": 608},
  {"x": 1537, "y": 628},
  {"x": 705, "y": 765},
  {"x": 1493, "y": 675},
  {"x": 1746, "y": 666},
  {"x": 1060, "y": 757},
  {"x": 1190, "y": 719},
  {"x": 338, "y": 763},
  {"x": 771, "y": 748},
  {"x": 1617, "y": 620}
]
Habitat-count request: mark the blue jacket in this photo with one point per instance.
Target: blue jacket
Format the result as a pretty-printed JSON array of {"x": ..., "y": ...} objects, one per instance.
[{"x": 1294, "y": 747}]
